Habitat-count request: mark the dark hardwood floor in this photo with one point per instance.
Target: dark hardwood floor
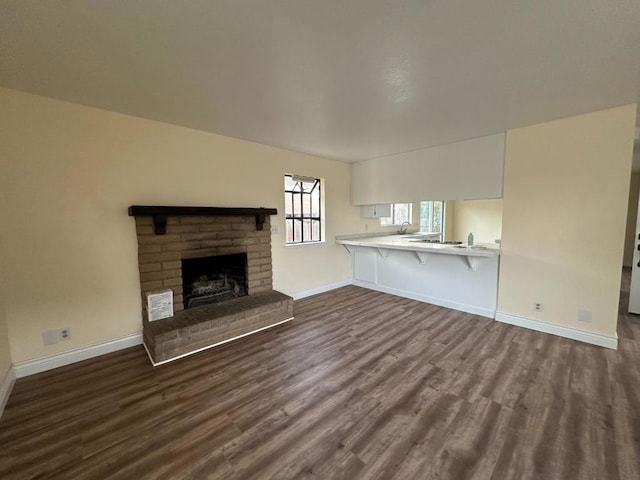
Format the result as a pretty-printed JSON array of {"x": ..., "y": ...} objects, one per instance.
[{"x": 361, "y": 385}]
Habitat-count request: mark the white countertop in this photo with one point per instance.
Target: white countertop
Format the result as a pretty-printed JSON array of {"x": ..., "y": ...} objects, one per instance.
[{"x": 404, "y": 242}]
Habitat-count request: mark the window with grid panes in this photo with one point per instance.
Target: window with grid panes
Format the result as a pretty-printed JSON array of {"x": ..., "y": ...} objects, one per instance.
[{"x": 303, "y": 209}]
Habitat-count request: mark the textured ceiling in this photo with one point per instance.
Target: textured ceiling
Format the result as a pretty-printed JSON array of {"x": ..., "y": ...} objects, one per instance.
[{"x": 350, "y": 80}]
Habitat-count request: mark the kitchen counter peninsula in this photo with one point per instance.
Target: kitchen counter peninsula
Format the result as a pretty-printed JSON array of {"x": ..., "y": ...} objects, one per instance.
[{"x": 454, "y": 276}]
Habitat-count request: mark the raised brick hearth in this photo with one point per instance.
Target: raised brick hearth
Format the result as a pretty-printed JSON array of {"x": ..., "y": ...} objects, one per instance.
[
  {"x": 189, "y": 236},
  {"x": 200, "y": 327}
]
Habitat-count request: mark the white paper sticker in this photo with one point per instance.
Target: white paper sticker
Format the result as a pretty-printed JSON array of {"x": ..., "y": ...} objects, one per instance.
[{"x": 160, "y": 305}]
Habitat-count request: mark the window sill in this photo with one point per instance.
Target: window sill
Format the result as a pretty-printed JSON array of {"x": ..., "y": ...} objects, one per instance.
[{"x": 305, "y": 244}]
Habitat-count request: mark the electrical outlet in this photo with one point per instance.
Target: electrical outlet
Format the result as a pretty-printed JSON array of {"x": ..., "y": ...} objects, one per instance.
[
  {"x": 49, "y": 337},
  {"x": 64, "y": 334},
  {"x": 537, "y": 306},
  {"x": 274, "y": 229}
]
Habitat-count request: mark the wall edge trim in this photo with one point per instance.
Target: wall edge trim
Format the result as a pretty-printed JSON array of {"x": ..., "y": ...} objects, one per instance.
[
  {"x": 202, "y": 349},
  {"x": 462, "y": 307},
  {"x": 585, "y": 336},
  {"x": 42, "y": 364},
  {"x": 321, "y": 289},
  {"x": 5, "y": 388}
]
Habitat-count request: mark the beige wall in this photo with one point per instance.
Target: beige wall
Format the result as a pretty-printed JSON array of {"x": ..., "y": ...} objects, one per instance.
[
  {"x": 632, "y": 212},
  {"x": 564, "y": 217},
  {"x": 449, "y": 222},
  {"x": 69, "y": 173},
  {"x": 481, "y": 217},
  {"x": 5, "y": 351}
]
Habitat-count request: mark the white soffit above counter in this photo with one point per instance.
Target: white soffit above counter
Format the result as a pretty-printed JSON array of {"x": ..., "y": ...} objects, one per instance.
[
  {"x": 463, "y": 170},
  {"x": 349, "y": 80}
]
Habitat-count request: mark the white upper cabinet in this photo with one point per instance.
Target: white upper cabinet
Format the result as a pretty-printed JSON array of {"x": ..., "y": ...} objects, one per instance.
[
  {"x": 471, "y": 169},
  {"x": 375, "y": 211}
]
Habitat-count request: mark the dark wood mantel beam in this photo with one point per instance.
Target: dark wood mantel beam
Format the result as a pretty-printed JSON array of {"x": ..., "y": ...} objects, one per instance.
[{"x": 160, "y": 214}]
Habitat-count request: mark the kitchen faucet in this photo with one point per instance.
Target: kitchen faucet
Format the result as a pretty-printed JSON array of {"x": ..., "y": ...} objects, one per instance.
[{"x": 403, "y": 229}]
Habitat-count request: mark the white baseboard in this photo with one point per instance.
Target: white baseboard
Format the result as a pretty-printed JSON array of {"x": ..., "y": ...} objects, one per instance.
[
  {"x": 30, "y": 367},
  {"x": 441, "y": 302},
  {"x": 155, "y": 364},
  {"x": 5, "y": 388},
  {"x": 559, "y": 330},
  {"x": 322, "y": 289}
]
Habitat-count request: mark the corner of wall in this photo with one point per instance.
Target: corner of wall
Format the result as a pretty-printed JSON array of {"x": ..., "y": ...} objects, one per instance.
[
  {"x": 562, "y": 245},
  {"x": 632, "y": 213},
  {"x": 5, "y": 388}
]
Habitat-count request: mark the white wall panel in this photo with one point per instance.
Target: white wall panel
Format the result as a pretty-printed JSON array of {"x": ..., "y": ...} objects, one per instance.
[{"x": 463, "y": 170}]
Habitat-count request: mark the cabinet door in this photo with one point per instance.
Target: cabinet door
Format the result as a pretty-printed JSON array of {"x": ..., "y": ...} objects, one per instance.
[
  {"x": 375, "y": 211},
  {"x": 365, "y": 265},
  {"x": 383, "y": 210},
  {"x": 368, "y": 211}
]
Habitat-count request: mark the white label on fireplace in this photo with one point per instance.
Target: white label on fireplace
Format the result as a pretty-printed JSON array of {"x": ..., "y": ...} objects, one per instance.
[{"x": 160, "y": 304}]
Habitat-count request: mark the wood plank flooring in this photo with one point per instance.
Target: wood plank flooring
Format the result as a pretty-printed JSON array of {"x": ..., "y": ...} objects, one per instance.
[{"x": 361, "y": 385}]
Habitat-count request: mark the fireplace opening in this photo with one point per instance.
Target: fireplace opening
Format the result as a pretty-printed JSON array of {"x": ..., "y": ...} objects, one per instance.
[{"x": 213, "y": 279}]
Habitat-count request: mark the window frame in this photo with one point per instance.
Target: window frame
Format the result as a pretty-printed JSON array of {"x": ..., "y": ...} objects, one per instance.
[
  {"x": 394, "y": 223},
  {"x": 444, "y": 216},
  {"x": 303, "y": 215}
]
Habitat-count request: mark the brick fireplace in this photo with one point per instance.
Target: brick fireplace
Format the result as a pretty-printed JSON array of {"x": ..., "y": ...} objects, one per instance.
[{"x": 217, "y": 262}]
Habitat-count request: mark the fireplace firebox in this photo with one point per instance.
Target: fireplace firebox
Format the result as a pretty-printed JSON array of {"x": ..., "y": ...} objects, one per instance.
[{"x": 213, "y": 279}]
